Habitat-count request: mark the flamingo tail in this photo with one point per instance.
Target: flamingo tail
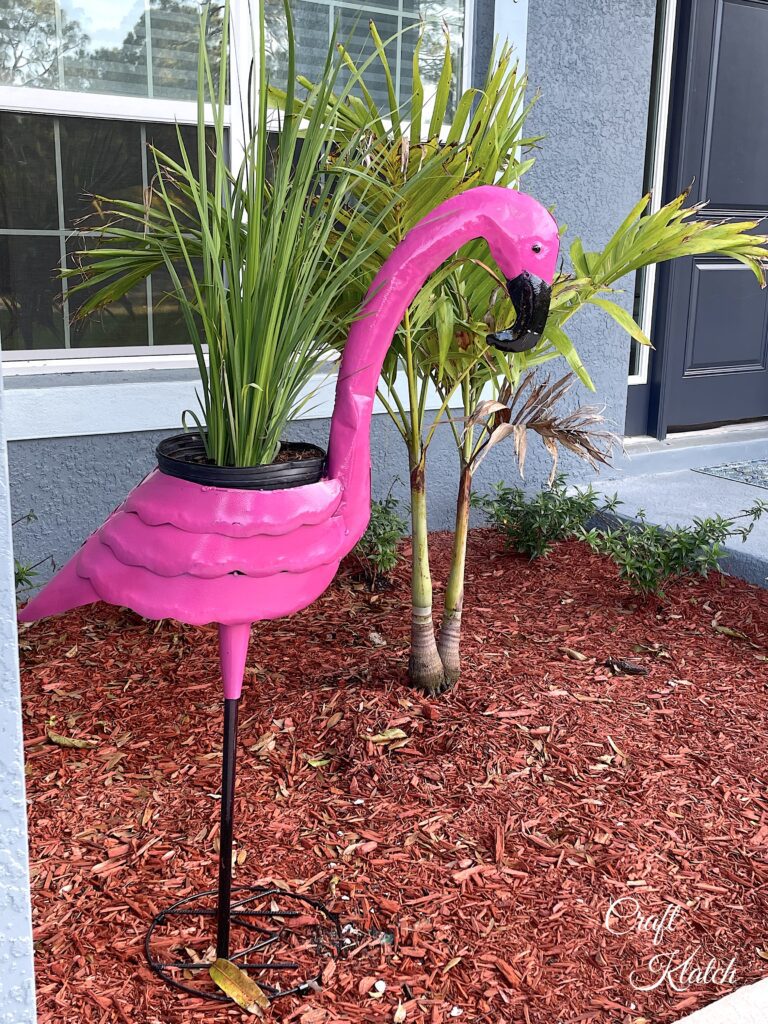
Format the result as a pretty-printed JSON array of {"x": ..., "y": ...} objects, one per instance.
[{"x": 66, "y": 590}]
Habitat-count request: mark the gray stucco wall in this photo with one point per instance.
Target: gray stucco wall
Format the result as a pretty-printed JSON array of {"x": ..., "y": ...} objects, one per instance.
[
  {"x": 17, "y": 995},
  {"x": 591, "y": 59}
]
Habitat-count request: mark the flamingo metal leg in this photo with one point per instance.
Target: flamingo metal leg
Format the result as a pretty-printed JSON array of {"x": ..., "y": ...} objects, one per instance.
[
  {"x": 228, "y": 769},
  {"x": 257, "y": 920}
]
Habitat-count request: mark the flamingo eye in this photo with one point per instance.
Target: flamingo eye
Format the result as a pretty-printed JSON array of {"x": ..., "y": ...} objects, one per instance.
[{"x": 536, "y": 247}]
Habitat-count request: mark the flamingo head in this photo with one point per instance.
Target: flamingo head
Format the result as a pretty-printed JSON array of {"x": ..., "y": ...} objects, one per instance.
[{"x": 525, "y": 247}]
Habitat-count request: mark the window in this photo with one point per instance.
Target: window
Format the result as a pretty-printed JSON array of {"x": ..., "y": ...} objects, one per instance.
[{"x": 84, "y": 86}]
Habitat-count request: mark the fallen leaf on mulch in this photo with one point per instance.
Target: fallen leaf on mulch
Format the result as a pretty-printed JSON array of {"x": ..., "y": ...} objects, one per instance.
[
  {"x": 238, "y": 986},
  {"x": 68, "y": 741},
  {"x": 388, "y": 736}
]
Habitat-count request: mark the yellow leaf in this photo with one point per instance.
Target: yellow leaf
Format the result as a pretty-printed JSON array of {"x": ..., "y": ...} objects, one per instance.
[
  {"x": 400, "y": 1014},
  {"x": 388, "y": 736},
  {"x": 318, "y": 762},
  {"x": 67, "y": 741},
  {"x": 238, "y": 986}
]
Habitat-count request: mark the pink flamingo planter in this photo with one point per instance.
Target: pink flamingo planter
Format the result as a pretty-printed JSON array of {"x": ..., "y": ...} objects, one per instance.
[{"x": 200, "y": 554}]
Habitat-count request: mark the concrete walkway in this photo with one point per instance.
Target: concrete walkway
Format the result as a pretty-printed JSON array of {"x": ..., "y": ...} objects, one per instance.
[
  {"x": 660, "y": 478},
  {"x": 748, "y": 1005}
]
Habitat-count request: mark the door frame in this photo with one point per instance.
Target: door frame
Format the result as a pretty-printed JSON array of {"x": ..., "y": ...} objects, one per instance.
[
  {"x": 649, "y": 402},
  {"x": 646, "y": 391}
]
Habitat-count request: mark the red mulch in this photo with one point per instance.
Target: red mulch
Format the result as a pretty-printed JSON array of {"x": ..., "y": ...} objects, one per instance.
[{"x": 490, "y": 844}]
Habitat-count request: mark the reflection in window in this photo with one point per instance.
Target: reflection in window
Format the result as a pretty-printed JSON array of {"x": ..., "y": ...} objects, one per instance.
[
  {"x": 116, "y": 47},
  {"x": 314, "y": 21},
  {"x": 68, "y": 164},
  {"x": 31, "y": 314}
]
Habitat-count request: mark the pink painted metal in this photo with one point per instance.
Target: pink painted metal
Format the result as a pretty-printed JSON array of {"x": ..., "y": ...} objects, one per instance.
[
  {"x": 233, "y": 651},
  {"x": 175, "y": 549}
]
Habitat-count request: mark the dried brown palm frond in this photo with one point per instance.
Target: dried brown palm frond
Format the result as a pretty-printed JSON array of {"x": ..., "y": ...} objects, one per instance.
[{"x": 532, "y": 406}]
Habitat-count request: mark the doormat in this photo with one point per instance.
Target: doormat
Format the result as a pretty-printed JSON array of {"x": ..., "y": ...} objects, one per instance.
[{"x": 753, "y": 473}]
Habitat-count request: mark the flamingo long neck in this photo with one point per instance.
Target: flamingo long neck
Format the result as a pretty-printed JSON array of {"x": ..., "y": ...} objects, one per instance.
[{"x": 428, "y": 245}]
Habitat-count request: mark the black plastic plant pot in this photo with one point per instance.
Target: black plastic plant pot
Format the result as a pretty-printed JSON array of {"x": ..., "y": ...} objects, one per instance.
[{"x": 183, "y": 456}]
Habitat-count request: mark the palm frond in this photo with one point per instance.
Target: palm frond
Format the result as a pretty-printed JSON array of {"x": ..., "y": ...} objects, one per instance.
[{"x": 532, "y": 405}]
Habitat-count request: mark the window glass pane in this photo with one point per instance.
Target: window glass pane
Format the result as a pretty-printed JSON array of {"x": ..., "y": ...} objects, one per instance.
[
  {"x": 436, "y": 18},
  {"x": 29, "y": 43},
  {"x": 353, "y": 31},
  {"x": 31, "y": 314},
  {"x": 98, "y": 158},
  {"x": 105, "y": 46},
  {"x": 313, "y": 23},
  {"x": 174, "y": 39},
  {"x": 95, "y": 158},
  {"x": 311, "y": 26},
  {"x": 107, "y": 52},
  {"x": 168, "y": 319},
  {"x": 166, "y": 139},
  {"x": 121, "y": 323},
  {"x": 27, "y": 172}
]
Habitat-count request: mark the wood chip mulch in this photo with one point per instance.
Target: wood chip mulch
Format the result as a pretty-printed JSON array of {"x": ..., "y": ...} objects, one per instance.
[{"x": 475, "y": 852}]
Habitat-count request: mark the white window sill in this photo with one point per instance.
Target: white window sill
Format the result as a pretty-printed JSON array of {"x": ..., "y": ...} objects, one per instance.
[{"x": 82, "y": 404}]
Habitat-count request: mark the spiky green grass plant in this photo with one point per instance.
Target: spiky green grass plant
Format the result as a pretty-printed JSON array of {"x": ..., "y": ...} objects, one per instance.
[{"x": 254, "y": 252}]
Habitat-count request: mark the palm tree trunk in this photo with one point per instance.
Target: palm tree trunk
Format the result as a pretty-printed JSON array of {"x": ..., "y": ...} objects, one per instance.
[
  {"x": 450, "y": 629},
  {"x": 425, "y": 669}
]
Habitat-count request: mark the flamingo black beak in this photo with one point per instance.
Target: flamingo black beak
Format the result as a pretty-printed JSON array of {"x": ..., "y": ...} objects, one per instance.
[{"x": 530, "y": 296}]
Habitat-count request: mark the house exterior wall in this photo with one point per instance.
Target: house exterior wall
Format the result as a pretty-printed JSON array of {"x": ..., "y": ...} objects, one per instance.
[
  {"x": 17, "y": 993},
  {"x": 591, "y": 60}
]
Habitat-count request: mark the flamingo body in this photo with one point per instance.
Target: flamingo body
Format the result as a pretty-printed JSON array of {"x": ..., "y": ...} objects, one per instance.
[{"x": 176, "y": 549}]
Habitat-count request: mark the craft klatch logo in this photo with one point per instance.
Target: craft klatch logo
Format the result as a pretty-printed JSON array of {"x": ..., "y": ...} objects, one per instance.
[{"x": 671, "y": 963}]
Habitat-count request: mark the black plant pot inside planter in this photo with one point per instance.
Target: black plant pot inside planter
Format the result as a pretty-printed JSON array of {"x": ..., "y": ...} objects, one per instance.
[{"x": 183, "y": 456}]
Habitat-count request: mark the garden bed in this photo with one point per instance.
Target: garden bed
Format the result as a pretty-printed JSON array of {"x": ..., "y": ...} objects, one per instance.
[{"x": 486, "y": 844}]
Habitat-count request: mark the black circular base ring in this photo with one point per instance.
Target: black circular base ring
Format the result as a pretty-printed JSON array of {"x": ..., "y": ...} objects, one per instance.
[{"x": 262, "y": 914}]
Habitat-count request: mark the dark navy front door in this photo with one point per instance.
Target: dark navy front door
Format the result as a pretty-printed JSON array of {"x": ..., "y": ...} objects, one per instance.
[{"x": 712, "y": 327}]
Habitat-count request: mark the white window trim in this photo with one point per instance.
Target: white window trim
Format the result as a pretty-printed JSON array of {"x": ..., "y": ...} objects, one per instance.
[
  {"x": 60, "y": 102},
  {"x": 73, "y": 409},
  {"x": 656, "y": 183},
  {"x": 78, "y": 410}
]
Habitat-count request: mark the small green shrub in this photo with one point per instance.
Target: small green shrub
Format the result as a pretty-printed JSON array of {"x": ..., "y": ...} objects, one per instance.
[
  {"x": 531, "y": 525},
  {"x": 377, "y": 549},
  {"x": 649, "y": 556},
  {"x": 25, "y": 574}
]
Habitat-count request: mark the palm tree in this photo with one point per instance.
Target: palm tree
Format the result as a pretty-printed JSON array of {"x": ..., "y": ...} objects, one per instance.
[{"x": 442, "y": 344}]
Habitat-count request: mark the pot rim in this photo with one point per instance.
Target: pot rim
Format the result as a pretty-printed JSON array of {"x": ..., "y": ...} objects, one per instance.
[{"x": 275, "y": 476}]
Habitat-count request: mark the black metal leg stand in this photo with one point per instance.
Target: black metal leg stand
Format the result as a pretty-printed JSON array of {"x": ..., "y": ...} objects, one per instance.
[
  {"x": 262, "y": 922},
  {"x": 228, "y": 766}
]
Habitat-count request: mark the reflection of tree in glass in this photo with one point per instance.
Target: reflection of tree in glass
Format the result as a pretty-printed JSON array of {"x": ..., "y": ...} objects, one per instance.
[
  {"x": 312, "y": 28},
  {"x": 29, "y": 45},
  {"x": 31, "y": 50}
]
